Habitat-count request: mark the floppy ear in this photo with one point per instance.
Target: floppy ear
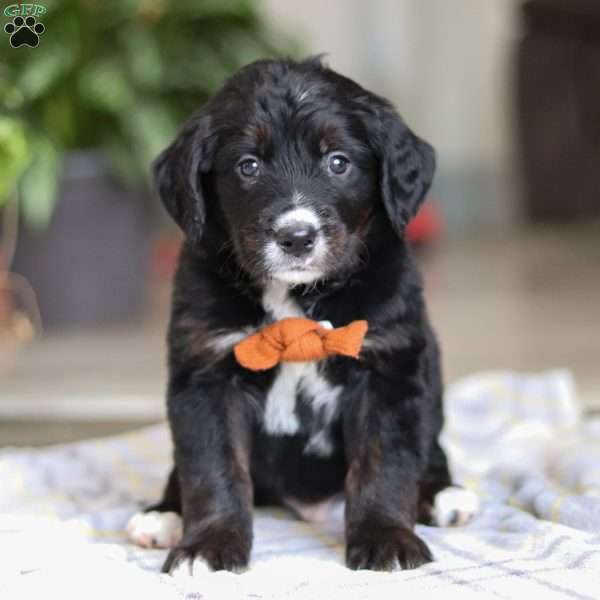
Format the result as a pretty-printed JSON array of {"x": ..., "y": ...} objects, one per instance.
[
  {"x": 407, "y": 168},
  {"x": 178, "y": 174}
]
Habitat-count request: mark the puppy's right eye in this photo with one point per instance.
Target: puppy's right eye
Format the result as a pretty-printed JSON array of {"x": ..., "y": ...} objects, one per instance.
[
  {"x": 248, "y": 167},
  {"x": 338, "y": 163}
]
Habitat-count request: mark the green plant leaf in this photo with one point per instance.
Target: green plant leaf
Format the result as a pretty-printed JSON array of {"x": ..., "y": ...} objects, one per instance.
[
  {"x": 37, "y": 75},
  {"x": 39, "y": 184},
  {"x": 14, "y": 155},
  {"x": 117, "y": 75},
  {"x": 11, "y": 97},
  {"x": 104, "y": 86},
  {"x": 143, "y": 57},
  {"x": 150, "y": 128},
  {"x": 58, "y": 116}
]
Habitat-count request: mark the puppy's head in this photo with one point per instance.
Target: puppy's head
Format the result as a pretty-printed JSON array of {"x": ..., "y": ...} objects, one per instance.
[{"x": 292, "y": 161}]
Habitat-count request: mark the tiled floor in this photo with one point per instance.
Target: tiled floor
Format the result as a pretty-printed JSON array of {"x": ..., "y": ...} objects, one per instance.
[{"x": 528, "y": 302}]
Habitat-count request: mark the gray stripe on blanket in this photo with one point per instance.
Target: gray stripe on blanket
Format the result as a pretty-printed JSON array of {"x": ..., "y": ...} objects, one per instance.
[{"x": 513, "y": 571}]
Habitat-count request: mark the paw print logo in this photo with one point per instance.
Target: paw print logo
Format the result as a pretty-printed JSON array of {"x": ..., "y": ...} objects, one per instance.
[{"x": 24, "y": 32}]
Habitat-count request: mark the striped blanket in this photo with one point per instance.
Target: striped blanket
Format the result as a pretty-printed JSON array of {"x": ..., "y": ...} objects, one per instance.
[{"x": 517, "y": 440}]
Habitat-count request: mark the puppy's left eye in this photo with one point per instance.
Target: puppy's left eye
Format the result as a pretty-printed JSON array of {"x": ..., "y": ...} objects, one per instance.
[
  {"x": 338, "y": 164},
  {"x": 248, "y": 167}
]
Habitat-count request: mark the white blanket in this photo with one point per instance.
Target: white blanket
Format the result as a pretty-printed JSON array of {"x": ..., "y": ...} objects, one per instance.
[{"x": 519, "y": 441}]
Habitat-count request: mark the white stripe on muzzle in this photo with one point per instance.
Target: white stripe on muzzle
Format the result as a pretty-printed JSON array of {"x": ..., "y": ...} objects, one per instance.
[{"x": 298, "y": 215}]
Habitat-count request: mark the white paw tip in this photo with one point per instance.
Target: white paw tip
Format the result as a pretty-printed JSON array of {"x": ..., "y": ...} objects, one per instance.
[
  {"x": 455, "y": 506},
  {"x": 154, "y": 529}
]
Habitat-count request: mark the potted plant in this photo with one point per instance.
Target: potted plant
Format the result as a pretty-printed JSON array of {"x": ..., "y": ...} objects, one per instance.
[{"x": 84, "y": 113}]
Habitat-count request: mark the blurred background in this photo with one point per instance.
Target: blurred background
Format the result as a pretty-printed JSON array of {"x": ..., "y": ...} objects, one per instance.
[{"x": 507, "y": 91}]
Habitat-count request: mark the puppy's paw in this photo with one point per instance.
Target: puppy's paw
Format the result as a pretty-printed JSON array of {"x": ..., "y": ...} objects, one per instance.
[
  {"x": 454, "y": 506},
  {"x": 383, "y": 548},
  {"x": 225, "y": 550},
  {"x": 187, "y": 566},
  {"x": 154, "y": 529}
]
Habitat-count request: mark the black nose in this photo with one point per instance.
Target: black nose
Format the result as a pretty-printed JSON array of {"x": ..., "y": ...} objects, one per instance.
[{"x": 296, "y": 239}]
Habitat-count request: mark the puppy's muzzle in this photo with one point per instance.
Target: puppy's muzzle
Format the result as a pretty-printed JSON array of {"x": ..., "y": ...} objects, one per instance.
[
  {"x": 296, "y": 248},
  {"x": 297, "y": 239}
]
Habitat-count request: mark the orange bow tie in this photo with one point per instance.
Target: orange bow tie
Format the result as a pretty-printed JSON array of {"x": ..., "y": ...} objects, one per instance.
[{"x": 298, "y": 340}]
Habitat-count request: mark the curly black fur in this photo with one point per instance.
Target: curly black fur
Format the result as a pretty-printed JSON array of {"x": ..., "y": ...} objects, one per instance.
[{"x": 383, "y": 435}]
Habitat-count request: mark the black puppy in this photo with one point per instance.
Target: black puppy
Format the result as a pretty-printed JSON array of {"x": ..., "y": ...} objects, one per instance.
[{"x": 294, "y": 186}]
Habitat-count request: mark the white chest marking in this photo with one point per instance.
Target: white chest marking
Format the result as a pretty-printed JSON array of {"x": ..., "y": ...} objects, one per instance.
[
  {"x": 277, "y": 301},
  {"x": 280, "y": 417}
]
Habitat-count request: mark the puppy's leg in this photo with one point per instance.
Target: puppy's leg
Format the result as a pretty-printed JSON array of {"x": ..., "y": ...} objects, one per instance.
[
  {"x": 440, "y": 502},
  {"x": 159, "y": 525},
  {"x": 171, "y": 499},
  {"x": 211, "y": 427},
  {"x": 435, "y": 479},
  {"x": 386, "y": 443}
]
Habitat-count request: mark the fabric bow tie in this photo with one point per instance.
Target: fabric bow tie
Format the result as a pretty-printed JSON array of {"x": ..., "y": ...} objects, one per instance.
[{"x": 298, "y": 340}]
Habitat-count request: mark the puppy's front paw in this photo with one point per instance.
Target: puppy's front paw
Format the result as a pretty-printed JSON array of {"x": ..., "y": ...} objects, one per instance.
[
  {"x": 220, "y": 550},
  {"x": 192, "y": 561},
  {"x": 154, "y": 529},
  {"x": 454, "y": 506},
  {"x": 382, "y": 548}
]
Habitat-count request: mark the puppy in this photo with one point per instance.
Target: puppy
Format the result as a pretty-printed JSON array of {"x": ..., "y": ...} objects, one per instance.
[{"x": 294, "y": 186}]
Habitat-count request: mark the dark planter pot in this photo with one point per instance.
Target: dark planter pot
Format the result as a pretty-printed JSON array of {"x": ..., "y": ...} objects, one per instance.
[{"x": 89, "y": 266}]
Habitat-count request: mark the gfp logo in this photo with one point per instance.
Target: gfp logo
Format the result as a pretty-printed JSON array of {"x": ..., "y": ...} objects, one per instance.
[{"x": 24, "y": 29}]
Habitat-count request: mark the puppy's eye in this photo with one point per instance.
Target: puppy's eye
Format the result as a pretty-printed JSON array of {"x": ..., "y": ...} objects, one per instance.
[
  {"x": 338, "y": 164},
  {"x": 248, "y": 167}
]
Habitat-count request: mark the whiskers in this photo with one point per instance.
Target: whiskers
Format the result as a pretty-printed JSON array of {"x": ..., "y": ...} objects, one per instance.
[{"x": 309, "y": 288}]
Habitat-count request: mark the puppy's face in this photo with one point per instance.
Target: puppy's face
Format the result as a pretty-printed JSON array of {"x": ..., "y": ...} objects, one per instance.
[
  {"x": 292, "y": 160},
  {"x": 296, "y": 182}
]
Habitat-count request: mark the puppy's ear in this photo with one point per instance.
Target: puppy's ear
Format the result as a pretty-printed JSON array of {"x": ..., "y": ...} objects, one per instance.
[
  {"x": 178, "y": 174},
  {"x": 407, "y": 168}
]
